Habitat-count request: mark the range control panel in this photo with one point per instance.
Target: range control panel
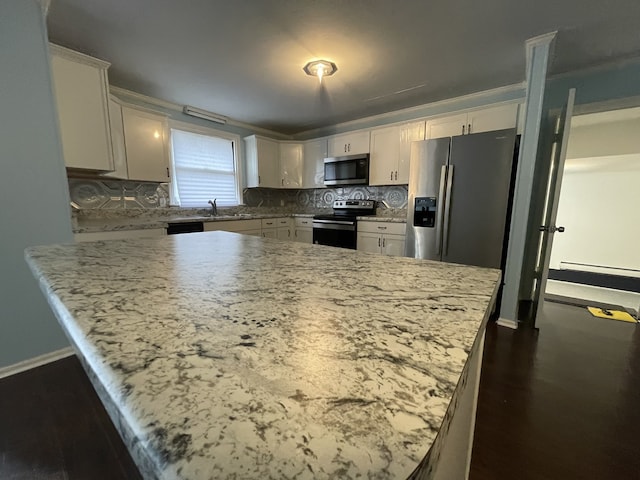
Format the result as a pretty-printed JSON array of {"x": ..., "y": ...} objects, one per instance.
[{"x": 424, "y": 212}]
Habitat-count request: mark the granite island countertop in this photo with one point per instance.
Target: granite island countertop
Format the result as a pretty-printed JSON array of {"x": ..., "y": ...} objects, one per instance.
[{"x": 220, "y": 355}]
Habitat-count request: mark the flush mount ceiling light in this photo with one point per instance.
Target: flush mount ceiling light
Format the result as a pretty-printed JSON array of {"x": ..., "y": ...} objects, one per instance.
[{"x": 320, "y": 68}]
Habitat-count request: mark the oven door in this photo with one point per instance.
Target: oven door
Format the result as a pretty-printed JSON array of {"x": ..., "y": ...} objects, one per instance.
[{"x": 335, "y": 233}]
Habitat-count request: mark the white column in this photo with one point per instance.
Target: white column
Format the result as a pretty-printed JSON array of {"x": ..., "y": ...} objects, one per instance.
[
  {"x": 33, "y": 184},
  {"x": 537, "y": 49}
]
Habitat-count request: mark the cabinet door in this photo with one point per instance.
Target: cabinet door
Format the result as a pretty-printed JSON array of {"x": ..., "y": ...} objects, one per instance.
[
  {"x": 291, "y": 165},
  {"x": 369, "y": 242},
  {"x": 349, "y": 144},
  {"x": 146, "y": 145},
  {"x": 315, "y": 152},
  {"x": 268, "y": 153},
  {"x": 494, "y": 118},
  {"x": 304, "y": 235},
  {"x": 117, "y": 142},
  {"x": 409, "y": 132},
  {"x": 447, "y": 126},
  {"x": 270, "y": 232},
  {"x": 284, "y": 233},
  {"x": 81, "y": 91},
  {"x": 385, "y": 151},
  {"x": 393, "y": 245}
]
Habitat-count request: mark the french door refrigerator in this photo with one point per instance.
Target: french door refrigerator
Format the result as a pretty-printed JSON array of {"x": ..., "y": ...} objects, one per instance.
[{"x": 460, "y": 190}]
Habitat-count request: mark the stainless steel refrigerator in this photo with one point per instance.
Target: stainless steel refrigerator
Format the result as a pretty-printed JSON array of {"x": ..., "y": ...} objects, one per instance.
[{"x": 459, "y": 197}]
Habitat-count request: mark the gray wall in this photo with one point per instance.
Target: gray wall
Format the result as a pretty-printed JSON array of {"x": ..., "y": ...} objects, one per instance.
[{"x": 33, "y": 184}]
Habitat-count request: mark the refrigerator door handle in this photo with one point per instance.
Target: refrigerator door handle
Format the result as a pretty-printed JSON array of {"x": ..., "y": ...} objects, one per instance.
[
  {"x": 439, "y": 209},
  {"x": 447, "y": 211}
]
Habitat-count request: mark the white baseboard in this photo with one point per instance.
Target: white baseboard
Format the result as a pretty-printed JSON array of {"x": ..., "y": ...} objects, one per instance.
[
  {"x": 35, "y": 362},
  {"x": 505, "y": 322}
]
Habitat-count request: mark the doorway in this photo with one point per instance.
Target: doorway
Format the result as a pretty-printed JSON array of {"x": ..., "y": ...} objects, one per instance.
[{"x": 595, "y": 259}]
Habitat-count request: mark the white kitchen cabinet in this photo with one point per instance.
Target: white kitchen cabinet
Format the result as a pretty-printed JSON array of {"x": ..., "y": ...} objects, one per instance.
[
  {"x": 246, "y": 227},
  {"x": 284, "y": 226},
  {"x": 303, "y": 229},
  {"x": 81, "y": 90},
  {"x": 291, "y": 164},
  {"x": 391, "y": 152},
  {"x": 146, "y": 145},
  {"x": 119, "y": 234},
  {"x": 263, "y": 162},
  {"x": 315, "y": 151},
  {"x": 387, "y": 238},
  {"x": 349, "y": 144},
  {"x": 475, "y": 121},
  {"x": 140, "y": 143}
]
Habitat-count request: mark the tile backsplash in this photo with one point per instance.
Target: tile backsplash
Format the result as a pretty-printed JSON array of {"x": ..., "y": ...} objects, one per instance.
[{"x": 122, "y": 195}]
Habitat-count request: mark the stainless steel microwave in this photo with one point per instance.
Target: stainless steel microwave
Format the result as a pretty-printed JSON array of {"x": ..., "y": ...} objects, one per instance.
[{"x": 347, "y": 170}]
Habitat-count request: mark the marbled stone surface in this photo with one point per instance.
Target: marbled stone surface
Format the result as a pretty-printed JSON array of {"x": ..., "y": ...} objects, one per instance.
[{"x": 221, "y": 355}]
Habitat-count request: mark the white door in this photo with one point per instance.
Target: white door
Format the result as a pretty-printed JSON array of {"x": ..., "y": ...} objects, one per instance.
[
  {"x": 270, "y": 232},
  {"x": 315, "y": 152},
  {"x": 447, "y": 126},
  {"x": 494, "y": 118},
  {"x": 393, "y": 245},
  {"x": 369, "y": 242},
  {"x": 548, "y": 227},
  {"x": 268, "y": 153},
  {"x": 385, "y": 147},
  {"x": 146, "y": 145},
  {"x": 291, "y": 165},
  {"x": 409, "y": 133}
]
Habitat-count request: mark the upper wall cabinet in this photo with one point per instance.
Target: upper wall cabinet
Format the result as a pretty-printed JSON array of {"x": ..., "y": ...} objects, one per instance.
[
  {"x": 291, "y": 159},
  {"x": 390, "y": 152},
  {"x": 483, "y": 120},
  {"x": 315, "y": 151},
  {"x": 81, "y": 90},
  {"x": 349, "y": 144},
  {"x": 140, "y": 143},
  {"x": 263, "y": 162}
]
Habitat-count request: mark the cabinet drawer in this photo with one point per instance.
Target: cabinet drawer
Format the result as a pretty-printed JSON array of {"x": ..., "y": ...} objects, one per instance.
[
  {"x": 303, "y": 222},
  {"x": 274, "y": 222},
  {"x": 393, "y": 228}
]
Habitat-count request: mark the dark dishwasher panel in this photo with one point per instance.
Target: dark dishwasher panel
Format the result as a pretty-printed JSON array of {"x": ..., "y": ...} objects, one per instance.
[{"x": 185, "y": 227}]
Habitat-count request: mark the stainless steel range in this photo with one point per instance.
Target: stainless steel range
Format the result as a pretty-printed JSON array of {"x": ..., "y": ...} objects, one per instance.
[{"x": 340, "y": 229}]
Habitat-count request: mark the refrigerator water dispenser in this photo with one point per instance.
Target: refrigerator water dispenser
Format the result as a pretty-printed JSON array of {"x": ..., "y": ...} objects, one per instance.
[{"x": 424, "y": 213}]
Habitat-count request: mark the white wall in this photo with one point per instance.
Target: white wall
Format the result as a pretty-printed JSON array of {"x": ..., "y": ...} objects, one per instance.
[
  {"x": 33, "y": 186},
  {"x": 600, "y": 210}
]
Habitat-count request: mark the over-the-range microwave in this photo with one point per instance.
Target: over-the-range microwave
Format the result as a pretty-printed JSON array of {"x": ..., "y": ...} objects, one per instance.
[{"x": 347, "y": 170}]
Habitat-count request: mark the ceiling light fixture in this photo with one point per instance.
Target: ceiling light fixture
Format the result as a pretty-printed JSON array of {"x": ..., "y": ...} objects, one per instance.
[
  {"x": 320, "y": 68},
  {"x": 197, "y": 112}
]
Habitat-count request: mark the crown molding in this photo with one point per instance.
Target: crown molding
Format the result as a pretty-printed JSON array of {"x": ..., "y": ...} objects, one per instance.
[
  {"x": 118, "y": 91},
  {"x": 449, "y": 104},
  {"x": 78, "y": 57},
  {"x": 532, "y": 43}
]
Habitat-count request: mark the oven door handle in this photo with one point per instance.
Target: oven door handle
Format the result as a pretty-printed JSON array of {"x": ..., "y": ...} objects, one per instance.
[{"x": 336, "y": 222}]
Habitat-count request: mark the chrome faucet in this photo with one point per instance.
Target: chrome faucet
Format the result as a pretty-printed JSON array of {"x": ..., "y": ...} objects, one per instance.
[{"x": 214, "y": 207}]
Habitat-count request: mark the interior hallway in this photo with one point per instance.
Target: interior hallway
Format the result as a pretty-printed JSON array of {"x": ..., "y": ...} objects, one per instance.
[{"x": 562, "y": 403}]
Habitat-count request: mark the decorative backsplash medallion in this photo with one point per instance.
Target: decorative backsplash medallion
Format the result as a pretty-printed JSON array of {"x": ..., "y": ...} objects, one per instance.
[{"x": 122, "y": 195}]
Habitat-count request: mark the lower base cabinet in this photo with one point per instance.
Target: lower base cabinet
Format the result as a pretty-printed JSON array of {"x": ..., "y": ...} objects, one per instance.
[
  {"x": 119, "y": 234},
  {"x": 303, "y": 230},
  {"x": 387, "y": 238}
]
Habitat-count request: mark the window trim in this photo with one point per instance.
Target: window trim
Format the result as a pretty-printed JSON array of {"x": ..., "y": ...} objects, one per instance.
[{"x": 201, "y": 130}]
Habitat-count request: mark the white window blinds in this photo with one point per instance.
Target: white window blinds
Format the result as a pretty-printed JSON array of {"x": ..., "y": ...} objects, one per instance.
[{"x": 203, "y": 169}]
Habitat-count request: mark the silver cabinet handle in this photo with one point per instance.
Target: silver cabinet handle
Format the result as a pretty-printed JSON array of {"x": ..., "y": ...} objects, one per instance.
[
  {"x": 463, "y": 129},
  {"x": 168, "y": 176},
  {"x": 379, "y": 241},
  {"x": 383, "y": 242},
  {"x": 447, "y": 211},
  {"x": 391, "y": 176},
  {"x": 396, "y": 174},
  {"x": 469, "y": 129},
  {"x": 382, "y": 228},
  {"x": 282, "y": 181},
  {"x": 259, "y": 181},
  {"x": 439, "y": 210},
  {"x": 345, "y": 148}
]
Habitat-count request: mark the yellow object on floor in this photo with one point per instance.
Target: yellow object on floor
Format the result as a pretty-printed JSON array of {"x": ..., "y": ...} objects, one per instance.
[{"x": 611, "y": 314}]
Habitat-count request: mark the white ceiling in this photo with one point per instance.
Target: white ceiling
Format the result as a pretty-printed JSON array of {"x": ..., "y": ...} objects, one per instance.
[{"x": 243, "y": 59}]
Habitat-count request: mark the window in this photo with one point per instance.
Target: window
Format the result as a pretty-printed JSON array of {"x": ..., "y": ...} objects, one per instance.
[{"x": 204, "y": 168}]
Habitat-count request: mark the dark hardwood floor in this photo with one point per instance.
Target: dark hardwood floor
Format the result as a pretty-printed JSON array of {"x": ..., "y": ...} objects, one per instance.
[{"x": 561, "y": 403}]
